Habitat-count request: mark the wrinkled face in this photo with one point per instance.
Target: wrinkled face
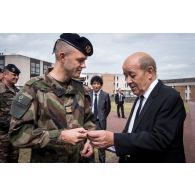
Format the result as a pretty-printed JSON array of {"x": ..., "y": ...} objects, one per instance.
[
  {"x": 138, "y": 80},
  {"x": 11, "y": 78},
  {"x": 74, "y": 63},
  {"x": 96, "y": 86}
]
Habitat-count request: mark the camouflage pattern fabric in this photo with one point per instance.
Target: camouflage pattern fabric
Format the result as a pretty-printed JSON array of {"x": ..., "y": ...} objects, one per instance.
[
  {"x": 41, "y": 110},
  {"x": 8, "y": 153}
]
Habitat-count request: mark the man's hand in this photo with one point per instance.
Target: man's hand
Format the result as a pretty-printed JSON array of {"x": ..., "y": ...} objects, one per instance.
[
  {"x": 73, "y": 136},
  {"x": 101, "y": 138},
  {"x": 87, "y": 150}
]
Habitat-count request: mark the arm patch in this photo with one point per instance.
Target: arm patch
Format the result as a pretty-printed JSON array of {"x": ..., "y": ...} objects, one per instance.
[{"x": 20, "y": 105}]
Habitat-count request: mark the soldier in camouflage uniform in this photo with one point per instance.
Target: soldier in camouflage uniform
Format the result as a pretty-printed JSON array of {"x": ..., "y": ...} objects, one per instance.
[
  {"x": 8, "y": 91},
  {"x": 52, "y": 113},
  {"x": 1, "y": 74}
]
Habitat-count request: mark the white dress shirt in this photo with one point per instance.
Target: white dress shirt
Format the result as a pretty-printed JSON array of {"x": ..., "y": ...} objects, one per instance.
[
  {"x": 120, "y": 97},
  {"x": 146, "y": 95},
  {"x": 98, "y": 93}
]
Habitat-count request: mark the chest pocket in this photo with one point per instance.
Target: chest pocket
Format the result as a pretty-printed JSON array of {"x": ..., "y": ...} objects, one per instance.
[
  {"x": 74, "y": 112},
  {"x": 70, "y": 111},
  {"x": 69, "y": 104}
]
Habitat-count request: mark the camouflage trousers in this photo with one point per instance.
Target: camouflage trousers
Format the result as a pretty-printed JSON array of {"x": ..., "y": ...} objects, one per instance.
[
  {"x": 52, "y": 153},
  {"x": 8, "y": 153}
]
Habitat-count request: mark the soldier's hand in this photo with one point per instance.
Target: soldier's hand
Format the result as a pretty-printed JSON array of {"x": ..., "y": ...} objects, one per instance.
[
  {"x": 87, "y": 150},
  {"x": 73, "y": 136}
]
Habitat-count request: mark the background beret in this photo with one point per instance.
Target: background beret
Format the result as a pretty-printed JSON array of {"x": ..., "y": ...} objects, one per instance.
[
  {"x": 80, "y": 43},
  {"x": 12, "y": 68}
]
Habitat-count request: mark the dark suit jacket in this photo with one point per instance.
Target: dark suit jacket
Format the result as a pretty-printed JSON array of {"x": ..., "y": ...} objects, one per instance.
[
  {"x": 116, "y": 98},
  {"x": 157, "y": 135},
  {"x": 104, "y": 107}
]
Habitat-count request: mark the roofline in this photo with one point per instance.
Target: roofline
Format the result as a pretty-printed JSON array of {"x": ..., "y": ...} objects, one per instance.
[{"x": 15, "y": 54}]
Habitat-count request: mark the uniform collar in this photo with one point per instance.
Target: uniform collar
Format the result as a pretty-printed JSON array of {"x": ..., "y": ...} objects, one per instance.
[{"x": 59, "y": 89}]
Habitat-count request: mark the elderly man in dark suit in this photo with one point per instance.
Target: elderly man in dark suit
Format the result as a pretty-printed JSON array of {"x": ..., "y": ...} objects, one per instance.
[
  {"x": 154, "y": 130},
  {"x": 101, "y": 107}
]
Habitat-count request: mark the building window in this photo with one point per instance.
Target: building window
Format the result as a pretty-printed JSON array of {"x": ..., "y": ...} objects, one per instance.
[
  {"x": 2, "y": 62},
  {"x": 34, "y": 67},
  {"x": 46, "y": 65}
]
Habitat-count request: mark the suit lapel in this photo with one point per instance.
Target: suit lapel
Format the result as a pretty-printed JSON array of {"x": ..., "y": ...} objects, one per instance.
[
  {"x": 149, "y": 101},
  {"x": 91, "y": 96},
  {"x": 100, "y": 98},
  {"x": 145, "y": 108}
]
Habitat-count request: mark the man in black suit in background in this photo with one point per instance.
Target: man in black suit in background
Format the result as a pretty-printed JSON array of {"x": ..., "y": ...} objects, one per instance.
[
  {"x": 154, "y": 130},
  {"x": 119, "y": 100},
  {"x": 101, "y": 107}
]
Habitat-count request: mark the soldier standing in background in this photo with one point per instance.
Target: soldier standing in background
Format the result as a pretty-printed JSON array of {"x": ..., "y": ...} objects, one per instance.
[
  {"x": 8, "y": 91},
  {"x": 52, "y": 112}
]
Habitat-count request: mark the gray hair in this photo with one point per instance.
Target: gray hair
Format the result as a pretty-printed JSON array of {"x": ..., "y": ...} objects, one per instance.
[{"x": 146, "y": 61}]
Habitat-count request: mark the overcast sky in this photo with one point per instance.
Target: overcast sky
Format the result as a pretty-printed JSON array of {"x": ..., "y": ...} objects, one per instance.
[{"x": 174, "y": 53}]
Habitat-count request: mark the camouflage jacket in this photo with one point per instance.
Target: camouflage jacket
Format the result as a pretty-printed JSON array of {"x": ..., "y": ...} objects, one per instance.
[
  {"x": 7, "y": 95},
  {"x": 41, "y": 110}
]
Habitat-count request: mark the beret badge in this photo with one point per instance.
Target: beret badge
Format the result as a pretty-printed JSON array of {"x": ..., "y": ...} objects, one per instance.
[{"x": 88, "y": 49}]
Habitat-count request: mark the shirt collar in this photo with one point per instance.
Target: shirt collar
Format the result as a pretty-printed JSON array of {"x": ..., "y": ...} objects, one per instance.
[
  {"x": 151, "y": 87},
  {"x": 98, "y": 93}
]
